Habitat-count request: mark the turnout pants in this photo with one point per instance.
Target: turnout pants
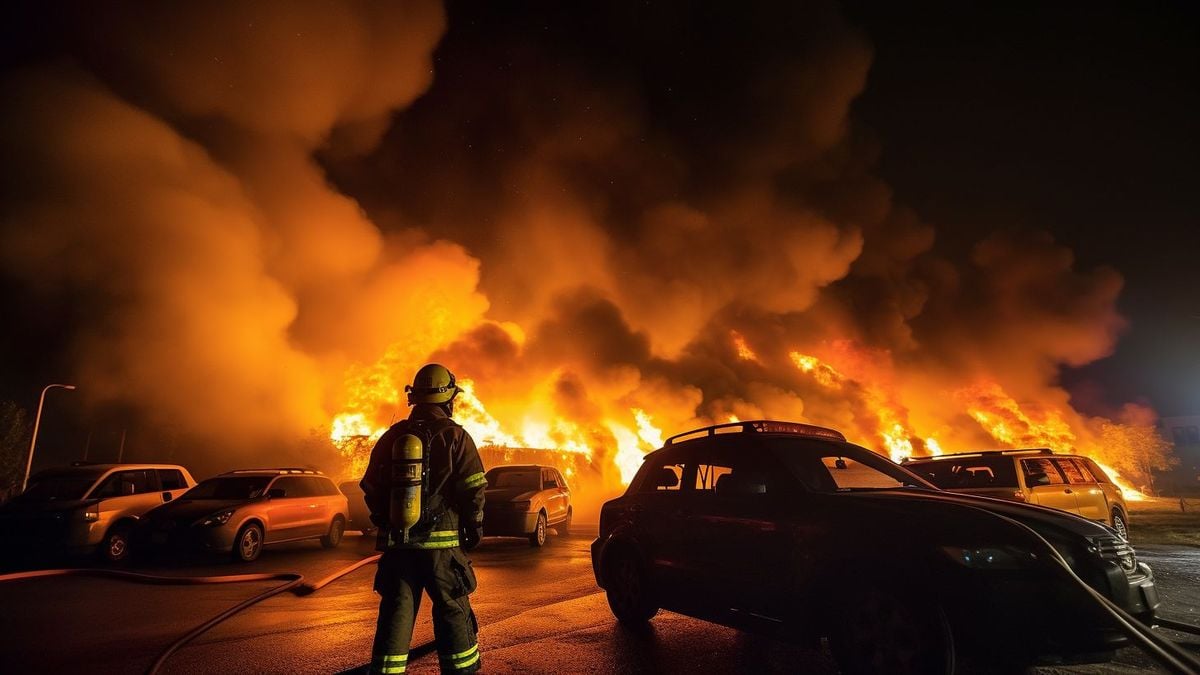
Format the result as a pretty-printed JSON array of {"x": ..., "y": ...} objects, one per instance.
[{"x": 446, "y": 576}]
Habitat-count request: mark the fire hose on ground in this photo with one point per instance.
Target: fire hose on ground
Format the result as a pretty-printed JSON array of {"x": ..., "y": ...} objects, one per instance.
[
  {"x": 293, "y": 582},
  {"x": 1164, "y": 651}
]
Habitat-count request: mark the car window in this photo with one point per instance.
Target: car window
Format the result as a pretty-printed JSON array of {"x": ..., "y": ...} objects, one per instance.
[
  {"x": 967, "y": 472},
  {"x": 655, "y": 483},
  {"x": 171, "y": 479},
  {"x": 1099, "y": 473},
  {"x": 229, "y": 487},
  {"x": 326, "y": 487},
  {"x": 293, "y": 486},
  {"x": 1087, "y": 473},
  {"x": 849, "y": 474},
  {"x": 60, "y": 485},
  {"x": 548, "y": 481},
  {"x": 562, "y": 482},
  {"x": 124, "y": 483},
  {"x": 1043, "y": 466},
  {"x": 707, "y": 476},
  {"x": 1071, "y": 471},
  {"x": 519, "y": 479}
]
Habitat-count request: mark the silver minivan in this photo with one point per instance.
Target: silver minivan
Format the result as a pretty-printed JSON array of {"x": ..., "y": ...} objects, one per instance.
[{"x": 86, "y": 508}]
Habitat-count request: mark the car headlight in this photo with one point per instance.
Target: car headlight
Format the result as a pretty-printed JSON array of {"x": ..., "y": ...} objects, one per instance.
[
  {"x": 89, "y": 514},
  {"x": 217, "y": 519},
  {"x": 991, "y": 557}
]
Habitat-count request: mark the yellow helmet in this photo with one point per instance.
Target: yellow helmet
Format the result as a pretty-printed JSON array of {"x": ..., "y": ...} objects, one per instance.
[{"x": 433, "y": 383}]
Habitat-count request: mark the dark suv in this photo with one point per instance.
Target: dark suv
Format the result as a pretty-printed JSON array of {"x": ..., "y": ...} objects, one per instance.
[{"x": 787, "y": 527}]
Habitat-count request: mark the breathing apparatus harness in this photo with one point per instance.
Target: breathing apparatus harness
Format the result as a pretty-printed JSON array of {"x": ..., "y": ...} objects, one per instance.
[{"x": 410, "y": 492}]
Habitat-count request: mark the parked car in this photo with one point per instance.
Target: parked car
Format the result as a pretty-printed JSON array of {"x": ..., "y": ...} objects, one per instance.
[
  {"x": 522, "y": 500},
  {"x": 360, "y": 516},
  {"x": 787, "y": 528},
  {"x": 88, "y": 508},
  {"x": 1037, "y": 476},
  {"x": 239, "y": 512}
]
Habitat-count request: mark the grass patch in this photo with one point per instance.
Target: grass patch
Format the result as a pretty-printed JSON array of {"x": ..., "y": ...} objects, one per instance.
[{"x": 1165, "y": 527}]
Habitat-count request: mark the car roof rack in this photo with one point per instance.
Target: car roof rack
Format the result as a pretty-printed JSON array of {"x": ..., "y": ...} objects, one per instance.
[
  {"x": 758, "y": 426},
  {"x": 278, "y": 470},
  {"x": 983, "y": 453}
]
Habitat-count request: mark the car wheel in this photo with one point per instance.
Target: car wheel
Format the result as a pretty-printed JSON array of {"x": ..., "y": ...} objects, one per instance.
[
  {"x": 627, "y": 589},
  {"x": 336, "y": 529},
  {"x": 875, "y": 631},
  {"x": 1119, "y": 524},
  {"x": 248, "y": 543},
  {"x": 564, "y": 528},
  {"x": 116, "y": 544},
  {"x": 538, "y": 536}
]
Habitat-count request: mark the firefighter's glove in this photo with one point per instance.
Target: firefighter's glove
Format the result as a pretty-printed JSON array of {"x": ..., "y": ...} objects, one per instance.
[{"x": 471, "y": 536}]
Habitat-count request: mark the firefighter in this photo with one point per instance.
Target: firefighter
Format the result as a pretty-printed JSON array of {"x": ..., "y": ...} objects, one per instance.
[{"x": 424, "y": 488}]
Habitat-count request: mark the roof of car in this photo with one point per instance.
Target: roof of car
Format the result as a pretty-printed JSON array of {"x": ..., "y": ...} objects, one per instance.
[
  {"x": 759, "y": 427},
  {"x": 521, "y": 466},
  {"x": 983, "y": 453},
  {"x": 98, "y": 466},
  {"x": 280, "y": 471}
]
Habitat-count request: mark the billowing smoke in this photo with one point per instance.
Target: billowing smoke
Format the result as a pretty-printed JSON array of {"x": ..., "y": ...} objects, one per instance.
[{"x": 269, "y": 214}]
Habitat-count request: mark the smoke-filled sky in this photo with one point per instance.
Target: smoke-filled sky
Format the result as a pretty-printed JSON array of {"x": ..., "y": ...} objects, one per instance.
[{"x": 240, "y": 221}]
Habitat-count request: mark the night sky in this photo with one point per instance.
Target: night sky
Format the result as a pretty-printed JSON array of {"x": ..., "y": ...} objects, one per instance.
[{"x": 1076, "y": 119}]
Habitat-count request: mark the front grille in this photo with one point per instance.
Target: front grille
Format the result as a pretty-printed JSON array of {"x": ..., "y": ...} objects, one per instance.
[{"x": 1117, "y": 550}]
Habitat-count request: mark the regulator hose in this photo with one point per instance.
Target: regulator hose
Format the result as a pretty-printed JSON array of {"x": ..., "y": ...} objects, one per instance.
[{"x": 1168, "y": 654}]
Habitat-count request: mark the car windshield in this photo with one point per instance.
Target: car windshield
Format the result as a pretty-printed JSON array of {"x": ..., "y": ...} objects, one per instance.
[
  {"x": 505, "y": 479},
  {"x": 967, "y": 472},
  {"x": 60, "y": 486},
  {"x": 229, "y": 487},
  {"x": 829, "y": 468}
]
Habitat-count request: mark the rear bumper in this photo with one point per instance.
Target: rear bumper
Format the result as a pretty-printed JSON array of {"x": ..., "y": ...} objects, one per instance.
[{"x": 508, "y": 523}]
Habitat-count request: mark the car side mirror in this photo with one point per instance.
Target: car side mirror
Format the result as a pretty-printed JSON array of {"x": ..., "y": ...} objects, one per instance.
[
  {"x": 665, "y": 478},
  {"x": 276, "y": 493},
  {"x": 1037, "y": 479},
  {"x": 839, "y": 463}
]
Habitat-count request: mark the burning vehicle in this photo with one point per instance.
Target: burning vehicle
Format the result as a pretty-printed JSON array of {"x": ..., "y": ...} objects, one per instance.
[{"x": 788, "y": 528}]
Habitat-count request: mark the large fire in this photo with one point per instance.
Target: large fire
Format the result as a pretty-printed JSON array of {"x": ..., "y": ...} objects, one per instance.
[{"x": 620, "y": 438}]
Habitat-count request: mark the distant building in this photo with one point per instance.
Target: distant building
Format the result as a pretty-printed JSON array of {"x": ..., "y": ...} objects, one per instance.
[{"x": 1184, "y": 432}]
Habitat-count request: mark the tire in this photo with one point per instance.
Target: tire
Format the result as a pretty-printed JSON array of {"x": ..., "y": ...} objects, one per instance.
[
  {"x": 1119, "y": 524},
  {"x": 115, "y": 548},
  {"x": 877, "y": 631},
  {"x": 337, "y": 528},
  {"x": 538, "y": 536},
  {"x": 564, "y": 528},
  {"x": 248, "y": 543},
  {"x": 627, "y": 588}
]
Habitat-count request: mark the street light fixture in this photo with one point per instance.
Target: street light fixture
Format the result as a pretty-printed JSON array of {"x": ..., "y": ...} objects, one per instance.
[{"x": 37, "y": 422}]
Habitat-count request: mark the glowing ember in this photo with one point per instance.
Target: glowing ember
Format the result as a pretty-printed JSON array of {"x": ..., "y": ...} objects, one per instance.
[{"x": 744, "y": 351}]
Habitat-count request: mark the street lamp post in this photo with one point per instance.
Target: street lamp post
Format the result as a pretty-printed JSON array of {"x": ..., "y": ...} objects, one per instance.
[{"x": 37, "y": 422}]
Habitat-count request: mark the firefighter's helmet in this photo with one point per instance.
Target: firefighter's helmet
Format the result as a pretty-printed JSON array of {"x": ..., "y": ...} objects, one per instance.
[{"x": 433, "y": 383}]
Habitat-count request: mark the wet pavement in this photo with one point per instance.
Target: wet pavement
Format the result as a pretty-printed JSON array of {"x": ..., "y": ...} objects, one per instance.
[{"x": 539, "y": 609}]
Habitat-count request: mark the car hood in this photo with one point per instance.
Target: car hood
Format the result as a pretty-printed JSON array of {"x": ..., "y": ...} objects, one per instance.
[
  {"x": 19, "y": 507},
  {"x": 1040, "y": 518},
  {"x": 192, "y": 509},
  {"x": 508, "y": 494}
]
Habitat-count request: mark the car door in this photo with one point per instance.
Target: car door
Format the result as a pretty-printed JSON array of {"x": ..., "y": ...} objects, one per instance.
[
  {"x": 127, "y": 493},
  {"x": 556, "y": 506},
  {"x": 287, "y": 515},
  {"x": 660, "y": 511},
  {"x": 739, "y": 529},
  {"x": 564, "y": 491},
  {"x": 1089, "y": 496},
  {"x": 1047, "y": 486},
  {"x": 171, "y": 483}
]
